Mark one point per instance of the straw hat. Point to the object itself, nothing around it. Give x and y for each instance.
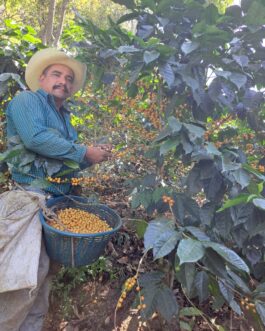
(48, 56)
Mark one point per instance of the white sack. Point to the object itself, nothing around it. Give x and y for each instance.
(20, 239)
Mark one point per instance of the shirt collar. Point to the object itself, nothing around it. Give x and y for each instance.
(50, 99)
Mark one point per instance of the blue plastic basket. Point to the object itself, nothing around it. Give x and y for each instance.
(71, 249)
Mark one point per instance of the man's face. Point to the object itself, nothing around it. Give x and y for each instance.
(57, 80)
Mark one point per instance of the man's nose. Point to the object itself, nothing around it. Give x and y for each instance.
(63, 80)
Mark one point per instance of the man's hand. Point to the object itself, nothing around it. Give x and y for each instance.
(106, 147)
(99, 153)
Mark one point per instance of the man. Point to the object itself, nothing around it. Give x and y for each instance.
(38, 124)
(38, 121)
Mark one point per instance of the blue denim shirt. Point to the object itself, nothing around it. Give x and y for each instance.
(46, 134)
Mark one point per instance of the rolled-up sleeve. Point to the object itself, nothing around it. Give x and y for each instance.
(29, 119)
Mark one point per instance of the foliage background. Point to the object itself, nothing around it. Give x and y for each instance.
(183, 90)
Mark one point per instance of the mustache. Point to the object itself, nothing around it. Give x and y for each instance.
(60, 86)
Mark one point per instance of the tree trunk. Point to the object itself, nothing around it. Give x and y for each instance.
(41, 18)
(48, 35)
(61, 21)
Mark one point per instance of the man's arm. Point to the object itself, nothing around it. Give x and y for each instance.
(28, 116)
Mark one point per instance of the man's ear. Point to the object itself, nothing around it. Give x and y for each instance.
(41, 78)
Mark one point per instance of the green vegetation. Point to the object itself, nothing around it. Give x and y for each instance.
(184, 93)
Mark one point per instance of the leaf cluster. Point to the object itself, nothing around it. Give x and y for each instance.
(214, 63)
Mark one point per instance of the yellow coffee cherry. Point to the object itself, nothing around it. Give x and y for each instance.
(79, 221)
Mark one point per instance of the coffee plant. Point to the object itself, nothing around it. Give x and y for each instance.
(196, 76)
(207, 69)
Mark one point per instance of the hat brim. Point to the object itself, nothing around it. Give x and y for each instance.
(48, 56)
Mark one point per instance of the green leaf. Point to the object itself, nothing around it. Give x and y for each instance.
(31, 39)
(242, 198)
(211, 149)
(185, 326)
(254, 188)
(169, 144)
(141, 227)
(166, 302)
(10, 154)
(127, 17)
(201, 283)
(71, 164)
(235, 306)
(174, 124)
(40, 183)
(190, 250)
(210, 34)
(166, 132)
(219, 327)
(189, 46)
(186, 275)
(239, 282)
(190, 311)
(226, 291)
(136, 200)
(223, 73)
(146, 198)
(165, 243)
(192, 83)
(153, 278)
(127, 49)
(183, 206)
(256, 14)
(238, 79)
(142, 198)
(150, 180)
(157, 296)
(167, 74)
(26, 157)
(259, 202)
(211, 14)
(150, 56)
(155, 229)
(186, 144)
(228, 164)
(53, 166)
(260, 307)
(164, 50)
(197, 233)
(127, 3)
(251, 197)
(229, 255)
(241, 177)
(149, 4)
(260, 187)
(132, 90)
(253, 171)
(194, 131)
(16, 77)
(158, 193)
(134, 74)
(64, 172)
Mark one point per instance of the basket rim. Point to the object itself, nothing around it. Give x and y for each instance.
(83, 235)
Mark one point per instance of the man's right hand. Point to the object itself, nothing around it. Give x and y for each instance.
(97, 154)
